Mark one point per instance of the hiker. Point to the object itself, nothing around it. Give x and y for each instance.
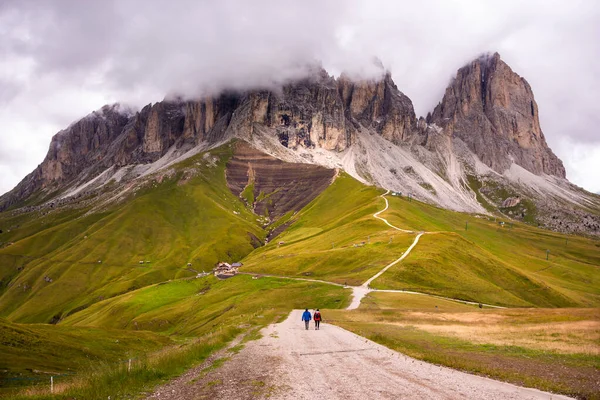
(306, 318)
(317, 318)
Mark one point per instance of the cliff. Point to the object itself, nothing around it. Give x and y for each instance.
(492, 109)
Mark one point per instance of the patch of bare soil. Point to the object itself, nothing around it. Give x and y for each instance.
(278, 186)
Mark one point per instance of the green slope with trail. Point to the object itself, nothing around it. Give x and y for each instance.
(461, 256)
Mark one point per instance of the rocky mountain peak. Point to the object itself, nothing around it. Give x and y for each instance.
(366, 126)
(493, 110)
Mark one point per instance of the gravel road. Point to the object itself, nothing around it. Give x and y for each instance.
(289, 362)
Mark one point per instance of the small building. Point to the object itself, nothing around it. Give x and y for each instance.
(225, 270)
(237, 264)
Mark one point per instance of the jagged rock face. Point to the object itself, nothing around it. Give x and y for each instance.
(492, 109)
(488, 113)
(310, 114)
(327, 113)
(82, 142)
(318, 111)
(380, 105)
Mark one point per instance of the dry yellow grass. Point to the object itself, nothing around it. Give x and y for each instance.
(564, 337)
(555, 349)
(562, 330)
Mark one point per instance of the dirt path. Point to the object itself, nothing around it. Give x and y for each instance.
(387, 204)
(332, 363)
(406, 253)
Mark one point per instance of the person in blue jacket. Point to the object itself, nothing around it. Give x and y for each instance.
(306, 317)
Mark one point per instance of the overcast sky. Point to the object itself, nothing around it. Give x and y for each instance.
(62, 59)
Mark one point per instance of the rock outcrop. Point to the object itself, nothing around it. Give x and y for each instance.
(492, 109)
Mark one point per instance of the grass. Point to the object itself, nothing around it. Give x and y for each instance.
(188, 215)
(523, 346)
(248, 194)
(198, 306)
(118, 382)
(495, 263)
(487, 262)
(447, 264)
(201, 315)
(33, 352)
(393, 301)
(165, 222)
(334, 238)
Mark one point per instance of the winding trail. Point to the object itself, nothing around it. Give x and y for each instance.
(406, 253)
(359, 292)
(387, 205)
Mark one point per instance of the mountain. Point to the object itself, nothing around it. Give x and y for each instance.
(481, 150)
(492, 110)
(106, 248)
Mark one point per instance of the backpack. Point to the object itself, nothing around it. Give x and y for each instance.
(317, 316)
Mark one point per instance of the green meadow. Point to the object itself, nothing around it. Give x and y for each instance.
(476, 258)
(96, 256)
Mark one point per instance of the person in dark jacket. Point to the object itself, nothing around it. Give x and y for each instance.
(306, 317)
(317, 318)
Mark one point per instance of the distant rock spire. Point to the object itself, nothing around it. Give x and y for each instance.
(493, 110)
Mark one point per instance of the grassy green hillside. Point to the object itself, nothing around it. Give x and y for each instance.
(33, 352)
(78, 266)
(198, 306)
(449, 265)
(189, 319)
(321, 241)
(464, 256)
(514, 253)
(182, 216)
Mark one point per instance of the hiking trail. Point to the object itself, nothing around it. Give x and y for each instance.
(359, 292)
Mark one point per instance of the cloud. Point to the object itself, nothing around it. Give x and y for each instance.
(60, 60)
